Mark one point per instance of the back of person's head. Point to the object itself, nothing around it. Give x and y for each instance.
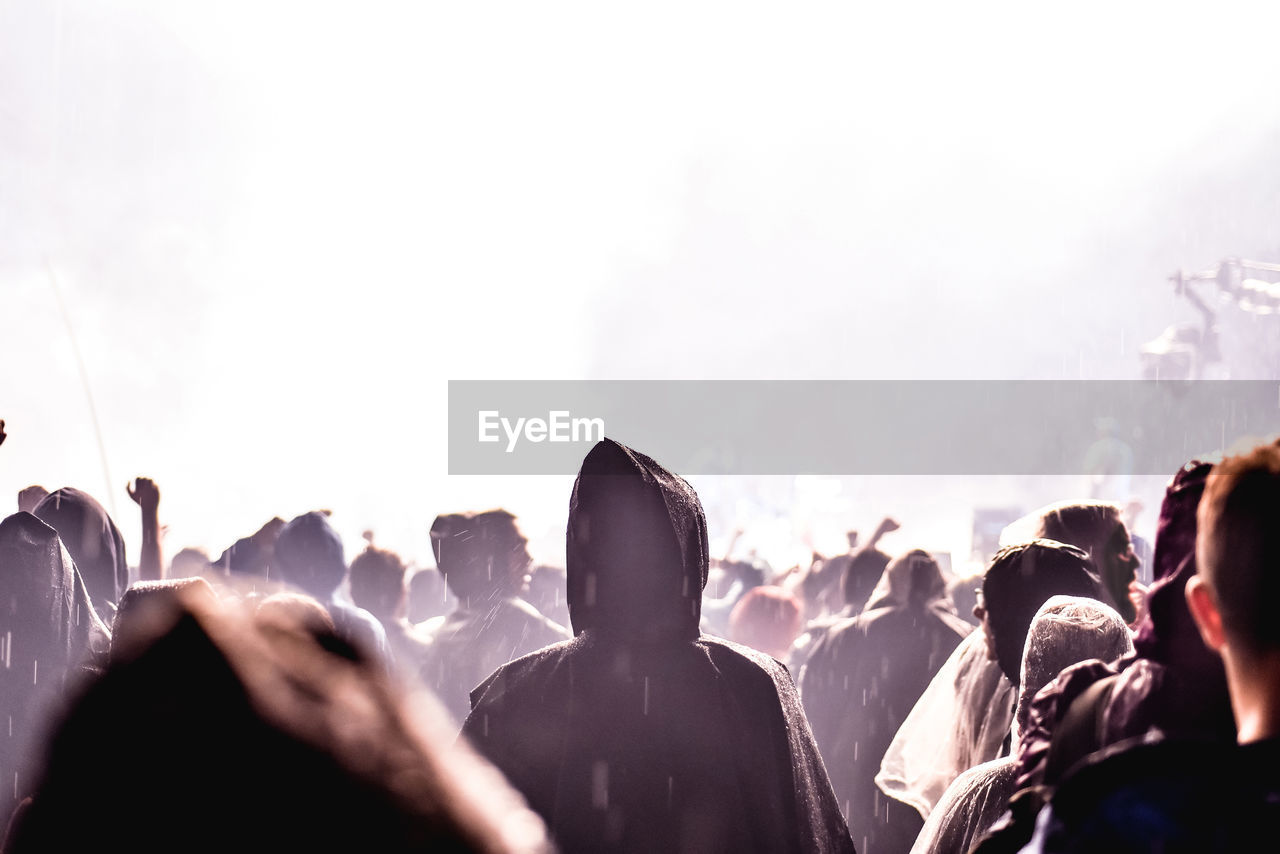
(636, 551)
(1020, 579)
(188, 563)
(767, 618)
(145, 602)
(378, 582)
(1238, 547)
(1065, 631)
(253, 555)
(93, 540)
(1098, 528)
(244, 736)
(911, 580)
(481, 555)
(289, 610)
(1168, 634)
(309, 554)
(861, 576)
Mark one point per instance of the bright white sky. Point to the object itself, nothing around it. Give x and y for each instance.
(281, 228)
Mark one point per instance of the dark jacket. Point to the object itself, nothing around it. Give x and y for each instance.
(1173, 684)
(94, 542)
(862, 680)
(640, 734)
(49, 633)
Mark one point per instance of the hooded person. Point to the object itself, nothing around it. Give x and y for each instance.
(641, 733)
(963, 718)
(1173, 684)
(861, 681)
(1019, 581)
(1065, 630)
(220, 729)
(862, 573)
(49, 634)
(309, 555)
(1193, 792)
(484, 560)
(94, 542)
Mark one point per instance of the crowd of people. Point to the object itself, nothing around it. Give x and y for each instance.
(282, 697)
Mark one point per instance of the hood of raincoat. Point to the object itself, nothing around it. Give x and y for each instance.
(310, 556)
(92, 539)
(1020, 579)
(47, 616)
(912, 580)
(1169, 634)
(48, 632)
(1065, 631)
(636, 551)
(862, 575)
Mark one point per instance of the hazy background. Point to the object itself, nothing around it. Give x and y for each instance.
(278, 229)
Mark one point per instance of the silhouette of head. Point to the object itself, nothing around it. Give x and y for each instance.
(378, 583)
(481, 555)
(309, 554)
(1098, 528)
(92, 539)
(637, 548)
(1020, 579)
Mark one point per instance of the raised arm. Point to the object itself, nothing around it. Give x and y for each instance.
(146, 495)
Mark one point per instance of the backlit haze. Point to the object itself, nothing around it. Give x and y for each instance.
(279, 229)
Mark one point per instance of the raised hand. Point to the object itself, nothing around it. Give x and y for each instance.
(144, 493)
(887, 525)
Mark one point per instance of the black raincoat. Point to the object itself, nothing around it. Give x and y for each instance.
(94, 542)
(48, 632)
(641, 734)
(862, 680)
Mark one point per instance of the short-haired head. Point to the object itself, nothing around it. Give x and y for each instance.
(378, 582)
(1238, 546)
(480, 555)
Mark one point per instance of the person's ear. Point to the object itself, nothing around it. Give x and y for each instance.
(1205, 612)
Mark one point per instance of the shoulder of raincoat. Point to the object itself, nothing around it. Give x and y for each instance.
(641, 734)
(695, 746)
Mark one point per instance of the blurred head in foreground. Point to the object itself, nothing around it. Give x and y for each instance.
(221, 728)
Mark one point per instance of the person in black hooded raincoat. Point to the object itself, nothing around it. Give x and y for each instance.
(861, 682)
(94, 542)
(641, 734)
(49, 634)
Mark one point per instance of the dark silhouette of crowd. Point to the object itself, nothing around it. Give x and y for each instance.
(648, 696)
